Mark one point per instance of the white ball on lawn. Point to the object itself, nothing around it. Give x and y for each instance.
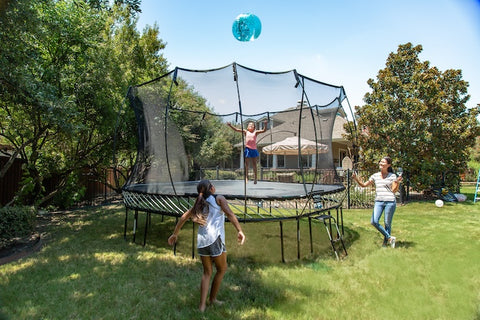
(439, 203)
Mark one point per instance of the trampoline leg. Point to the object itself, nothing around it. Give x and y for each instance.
(125, 228)
(311, 238)
(330, 224)
(281, 241)
(193, 240)
(298, 239)
(135, 219)
(147, 220)
(341, 220)
(175, 244)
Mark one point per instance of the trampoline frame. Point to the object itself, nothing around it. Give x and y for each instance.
(313, 205)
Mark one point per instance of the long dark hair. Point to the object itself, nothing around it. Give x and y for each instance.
(200, 207)
(389, 161)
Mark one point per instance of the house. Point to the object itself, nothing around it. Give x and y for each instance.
(322, 124)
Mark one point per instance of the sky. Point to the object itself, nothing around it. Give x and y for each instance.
(341, 42)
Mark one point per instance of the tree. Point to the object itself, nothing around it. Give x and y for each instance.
(208, 142)
(64, 70)
(417, 115)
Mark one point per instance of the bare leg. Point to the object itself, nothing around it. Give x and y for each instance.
(207, 274)
(221, 266)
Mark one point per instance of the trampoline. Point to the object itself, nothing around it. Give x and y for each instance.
(234, 189)
(262, 201)
(183, 137)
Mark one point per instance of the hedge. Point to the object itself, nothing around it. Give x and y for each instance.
(16, 222)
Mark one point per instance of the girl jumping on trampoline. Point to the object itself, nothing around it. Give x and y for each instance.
(209, 212)
(251, 152)
(386, 184)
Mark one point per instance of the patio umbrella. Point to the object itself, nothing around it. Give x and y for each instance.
(289, 146)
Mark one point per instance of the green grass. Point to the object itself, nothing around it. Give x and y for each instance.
(86, 270)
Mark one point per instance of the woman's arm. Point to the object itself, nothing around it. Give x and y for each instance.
(222, 202)
(173, 238)
(361, 183)
(396, 184)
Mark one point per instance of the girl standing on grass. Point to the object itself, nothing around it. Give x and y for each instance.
(251, 152)
(209, 212)
(386, 184)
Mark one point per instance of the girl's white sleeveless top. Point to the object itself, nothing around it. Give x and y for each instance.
(215, 226)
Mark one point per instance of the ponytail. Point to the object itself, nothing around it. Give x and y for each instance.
(200, 207)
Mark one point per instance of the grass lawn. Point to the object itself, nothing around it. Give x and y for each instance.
(86, 270)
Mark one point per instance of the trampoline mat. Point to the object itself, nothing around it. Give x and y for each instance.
(235, 189)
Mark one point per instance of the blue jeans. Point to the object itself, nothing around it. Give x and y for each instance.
(389, 208)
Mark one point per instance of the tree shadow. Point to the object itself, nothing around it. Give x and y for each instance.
(92, 267)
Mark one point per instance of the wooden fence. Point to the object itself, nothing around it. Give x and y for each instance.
(95, 187)
(10, 183)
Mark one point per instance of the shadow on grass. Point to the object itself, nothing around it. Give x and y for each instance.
(87, 268)
(405, 244)
(263, 244)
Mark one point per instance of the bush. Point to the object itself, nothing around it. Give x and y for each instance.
(220, 175)
(16, 222)
(70, 194)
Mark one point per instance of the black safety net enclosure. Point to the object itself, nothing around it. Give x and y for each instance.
(193, 125)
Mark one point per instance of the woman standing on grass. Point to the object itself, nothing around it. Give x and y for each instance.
(209, 212)
(386, 184)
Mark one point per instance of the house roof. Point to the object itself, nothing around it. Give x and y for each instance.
(326, 123)
(290, 146)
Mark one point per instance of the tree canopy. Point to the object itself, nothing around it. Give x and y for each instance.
(65, 67)
(417, 115)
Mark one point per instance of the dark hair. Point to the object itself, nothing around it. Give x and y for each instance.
(389, 161)
(200, 207)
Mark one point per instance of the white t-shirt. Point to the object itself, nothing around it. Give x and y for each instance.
(214, 227)
(383, 187)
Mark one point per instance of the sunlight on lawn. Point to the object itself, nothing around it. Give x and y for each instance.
(111, 257)
(94, 273)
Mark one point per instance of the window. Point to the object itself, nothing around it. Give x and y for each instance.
(280, 161)
(306, 161)
(265, 160)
